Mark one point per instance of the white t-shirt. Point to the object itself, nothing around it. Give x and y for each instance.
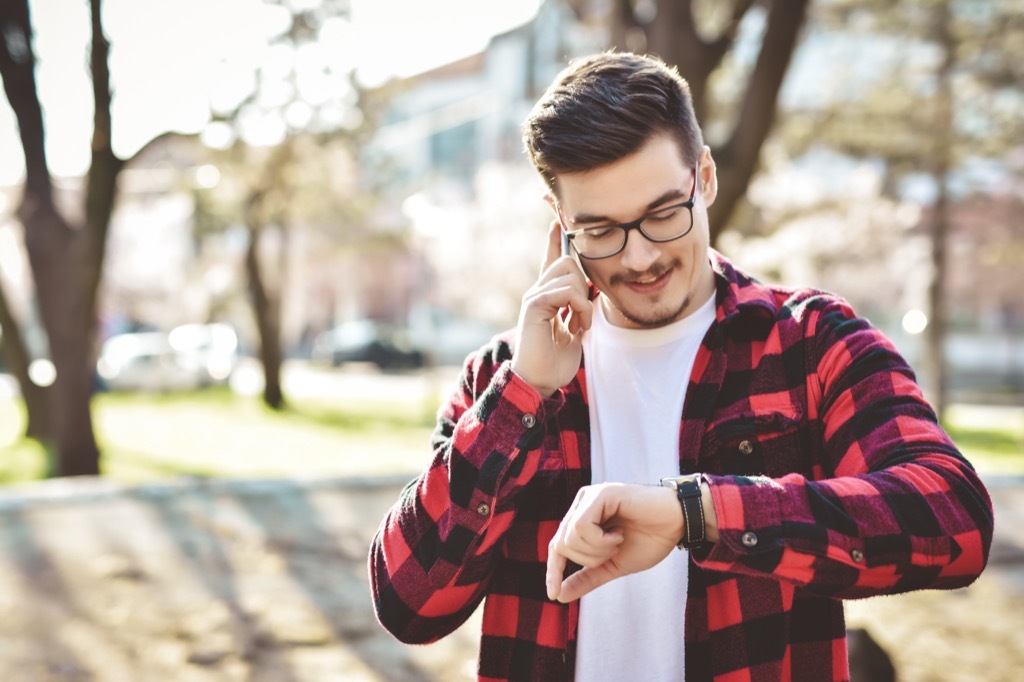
(632, 627)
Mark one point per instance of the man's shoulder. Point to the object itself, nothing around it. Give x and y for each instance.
(488, 357)
(742, 295)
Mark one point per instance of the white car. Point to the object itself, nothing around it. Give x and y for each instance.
(190, 356)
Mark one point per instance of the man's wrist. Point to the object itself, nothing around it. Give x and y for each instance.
(544, 391)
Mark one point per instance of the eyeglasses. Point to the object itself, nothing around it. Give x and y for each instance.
(665, 224)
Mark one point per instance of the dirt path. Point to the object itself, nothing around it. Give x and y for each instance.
(266, 581)
(198, 581)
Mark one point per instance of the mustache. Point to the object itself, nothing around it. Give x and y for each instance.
(653, 272)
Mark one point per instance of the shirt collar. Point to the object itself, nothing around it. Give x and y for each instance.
(739, 296)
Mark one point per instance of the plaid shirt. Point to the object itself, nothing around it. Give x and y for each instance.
(830, 476)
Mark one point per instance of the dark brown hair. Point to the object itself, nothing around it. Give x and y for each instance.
(605, 107)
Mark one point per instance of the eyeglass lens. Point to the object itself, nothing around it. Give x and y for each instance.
(665, 225)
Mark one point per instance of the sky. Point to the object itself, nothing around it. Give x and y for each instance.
(170, 60)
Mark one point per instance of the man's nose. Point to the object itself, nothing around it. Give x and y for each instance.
(639, 253)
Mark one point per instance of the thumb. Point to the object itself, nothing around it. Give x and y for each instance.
(586, 580)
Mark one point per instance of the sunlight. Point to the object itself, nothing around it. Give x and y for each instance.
(171, 62)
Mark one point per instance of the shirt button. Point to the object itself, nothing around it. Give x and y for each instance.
(483, 509)
(746, 447)
(857, 556)
(749, 539)
(529, 420)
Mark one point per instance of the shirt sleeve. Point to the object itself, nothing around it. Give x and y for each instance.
(433, 554)
(899, 507)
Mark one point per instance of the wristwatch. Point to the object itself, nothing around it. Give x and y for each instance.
(688, 490)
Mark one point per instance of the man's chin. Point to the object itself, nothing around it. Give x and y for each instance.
(655, 316)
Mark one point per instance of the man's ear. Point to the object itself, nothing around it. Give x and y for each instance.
(550, 200)
(708, 177)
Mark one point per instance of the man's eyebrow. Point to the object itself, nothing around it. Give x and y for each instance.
(590, 219)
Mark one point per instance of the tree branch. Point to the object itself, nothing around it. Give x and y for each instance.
(737, 159)
(720, 46)
(104, 168)
(17, 67)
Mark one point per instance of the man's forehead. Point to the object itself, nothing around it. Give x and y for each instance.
(582, 204)
(632, 183)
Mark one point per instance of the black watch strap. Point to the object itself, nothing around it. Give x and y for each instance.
(688, 491)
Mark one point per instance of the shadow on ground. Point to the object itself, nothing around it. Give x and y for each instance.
(200, 580)
(204, 580)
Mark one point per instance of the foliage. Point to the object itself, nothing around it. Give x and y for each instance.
(884, 96)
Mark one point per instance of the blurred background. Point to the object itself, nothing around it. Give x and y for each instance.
(256, 238)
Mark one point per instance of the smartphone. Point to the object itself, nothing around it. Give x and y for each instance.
(567, 251)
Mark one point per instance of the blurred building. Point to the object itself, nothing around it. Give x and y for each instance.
(452, 143)
(447, 123)
(457, 186)
(457, 227)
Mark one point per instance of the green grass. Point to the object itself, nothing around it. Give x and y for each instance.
(215, 433)
(991, 437)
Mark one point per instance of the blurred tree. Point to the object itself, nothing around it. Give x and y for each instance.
(18, 359)
(697, 36)
(940, 159)
(944, 93)
(66, 255)
(303, 174)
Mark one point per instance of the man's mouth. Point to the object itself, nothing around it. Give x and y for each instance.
(648, 282)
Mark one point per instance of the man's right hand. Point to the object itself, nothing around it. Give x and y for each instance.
(549, 348)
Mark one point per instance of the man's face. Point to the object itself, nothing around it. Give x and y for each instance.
(647, 284)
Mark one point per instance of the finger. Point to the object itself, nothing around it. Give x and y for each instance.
(590, 556)
(593, 553)
(584, 581)
(581, 316)
(554, 250)
(542, 305)
(555, 573)
(557, 559)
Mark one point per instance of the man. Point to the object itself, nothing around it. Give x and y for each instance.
(812, 468)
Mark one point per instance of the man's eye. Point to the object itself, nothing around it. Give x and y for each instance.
(597, 233)
(662, 216)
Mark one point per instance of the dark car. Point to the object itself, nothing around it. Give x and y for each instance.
(386, 346)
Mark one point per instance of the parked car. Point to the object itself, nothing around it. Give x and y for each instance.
(446, 339)
(190, 356)
(386, 346)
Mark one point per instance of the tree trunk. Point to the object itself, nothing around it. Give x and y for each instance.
(676, 38)
(266, 308)
(18, 359)
(66, 263)
(54, 253)
(935, 360)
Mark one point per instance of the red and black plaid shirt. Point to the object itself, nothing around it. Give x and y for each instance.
(830, 475)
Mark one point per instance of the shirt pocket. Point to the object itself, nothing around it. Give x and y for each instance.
(767, 443)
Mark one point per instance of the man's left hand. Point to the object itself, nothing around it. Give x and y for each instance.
(612, 530)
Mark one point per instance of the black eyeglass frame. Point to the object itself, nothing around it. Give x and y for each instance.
(636, 224)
